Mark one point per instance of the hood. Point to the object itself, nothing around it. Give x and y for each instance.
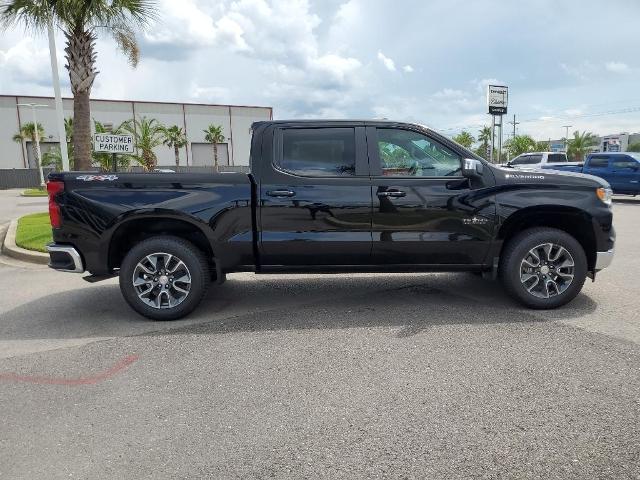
(506, 175)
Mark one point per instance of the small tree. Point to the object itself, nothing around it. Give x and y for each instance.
(214, 135)
(634, 147)
(465, 139)
(147, 134)
(28, 132)
(520, 144)
(542, 146)
(175, 137)
(580, 144)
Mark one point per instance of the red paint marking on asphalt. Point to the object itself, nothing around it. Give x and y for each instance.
(91, 380)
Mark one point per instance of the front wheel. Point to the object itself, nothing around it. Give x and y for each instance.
(543, 268)
(164, 278)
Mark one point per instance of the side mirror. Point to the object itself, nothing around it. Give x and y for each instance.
(472, 167)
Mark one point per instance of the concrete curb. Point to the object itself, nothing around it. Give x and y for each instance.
(10, 249)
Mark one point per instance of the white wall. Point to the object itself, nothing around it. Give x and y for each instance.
(194, 118)
(241, 120)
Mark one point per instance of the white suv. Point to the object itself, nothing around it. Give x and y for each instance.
(534, 160)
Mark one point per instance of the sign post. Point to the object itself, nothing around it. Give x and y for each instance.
(113, 144)
(497, 100)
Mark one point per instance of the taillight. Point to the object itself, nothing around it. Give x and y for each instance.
(53, 188)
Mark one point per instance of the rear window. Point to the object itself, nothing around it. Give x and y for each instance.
(599, 162)
(528, 159)
(319, 152)
(557, 158)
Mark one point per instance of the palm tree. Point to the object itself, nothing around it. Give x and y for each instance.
(80, 21)
(580, 144)
(147, 133)
(465, 139)
(213, 135)
(175, 137)
(28, 132)
(484, 137)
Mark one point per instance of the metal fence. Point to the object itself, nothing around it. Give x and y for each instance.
(30, 178)
(21, 177)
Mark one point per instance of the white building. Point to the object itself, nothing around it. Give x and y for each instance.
(235, 120)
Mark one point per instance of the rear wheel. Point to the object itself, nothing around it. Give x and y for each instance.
(164, 278)
(543, 268)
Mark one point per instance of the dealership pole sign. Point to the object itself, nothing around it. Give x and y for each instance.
(497, 99)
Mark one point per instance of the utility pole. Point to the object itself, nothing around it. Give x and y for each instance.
(62, 134)
(566, 137)
(33, 107)
(514, 123)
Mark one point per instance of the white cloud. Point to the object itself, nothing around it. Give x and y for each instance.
(388, 63)
(408, 68)
(28, 60)
(617, 67)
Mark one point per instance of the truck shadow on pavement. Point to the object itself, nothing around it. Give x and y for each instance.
(407, 303)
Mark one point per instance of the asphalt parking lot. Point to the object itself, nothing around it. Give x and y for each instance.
(336, 376)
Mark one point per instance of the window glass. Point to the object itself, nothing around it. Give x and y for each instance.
(620, 163)
(527, 159)
(404, 153)
(557, 158)
(599, 162)
(319, 152)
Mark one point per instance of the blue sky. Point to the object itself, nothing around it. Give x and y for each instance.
(566, 62)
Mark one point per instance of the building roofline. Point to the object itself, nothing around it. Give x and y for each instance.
(154, 102)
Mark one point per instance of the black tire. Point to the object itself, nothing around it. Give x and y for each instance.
(197, 270)
(517, 250)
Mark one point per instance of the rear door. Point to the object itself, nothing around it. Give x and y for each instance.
(598, 165)
(315, 197)
(625, 174)
(424, 211)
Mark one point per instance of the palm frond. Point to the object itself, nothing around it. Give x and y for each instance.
(33, 15)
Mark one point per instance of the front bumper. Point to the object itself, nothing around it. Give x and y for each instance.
(604, 259)
(65, 258)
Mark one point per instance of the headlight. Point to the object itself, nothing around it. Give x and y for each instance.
(605, 194)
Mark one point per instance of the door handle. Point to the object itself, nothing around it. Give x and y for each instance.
(281, 193)
(393, 193)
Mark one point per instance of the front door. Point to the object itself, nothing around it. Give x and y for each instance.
(424, 211)
(315, 198)
(625, 174)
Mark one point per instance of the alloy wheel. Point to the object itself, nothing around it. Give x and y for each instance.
(547, 270)
(161, 280)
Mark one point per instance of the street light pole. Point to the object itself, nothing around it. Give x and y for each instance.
(62, 134)
(566, 137)
(37, 136)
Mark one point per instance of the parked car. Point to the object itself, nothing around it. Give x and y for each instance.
(534, 160)
(620, 169)
(333, 196)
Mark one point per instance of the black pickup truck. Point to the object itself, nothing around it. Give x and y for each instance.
(333, 196)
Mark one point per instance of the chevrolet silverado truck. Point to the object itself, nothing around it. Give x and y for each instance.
(328, 197)
(620, 169)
